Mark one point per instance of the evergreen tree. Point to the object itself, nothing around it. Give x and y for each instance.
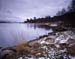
(71, 7)
(63, 11)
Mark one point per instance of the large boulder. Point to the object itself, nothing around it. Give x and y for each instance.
(8, 53)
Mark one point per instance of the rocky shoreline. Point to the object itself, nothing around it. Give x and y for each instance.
(55, 45)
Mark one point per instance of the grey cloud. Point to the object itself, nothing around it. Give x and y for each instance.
(30, 8)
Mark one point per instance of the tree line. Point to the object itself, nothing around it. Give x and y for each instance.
(67, 16)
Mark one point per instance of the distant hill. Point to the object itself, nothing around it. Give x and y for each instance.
(5, 22)
(9, 21)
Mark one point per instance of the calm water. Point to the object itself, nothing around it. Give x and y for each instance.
(15, 33)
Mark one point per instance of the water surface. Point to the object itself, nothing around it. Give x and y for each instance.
(15, 33)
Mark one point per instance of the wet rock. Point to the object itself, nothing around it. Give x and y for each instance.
(70, 41)
(71, 49)
(8, 53)
(64, 37)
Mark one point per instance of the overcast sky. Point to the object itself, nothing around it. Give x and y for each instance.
(18, 10)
